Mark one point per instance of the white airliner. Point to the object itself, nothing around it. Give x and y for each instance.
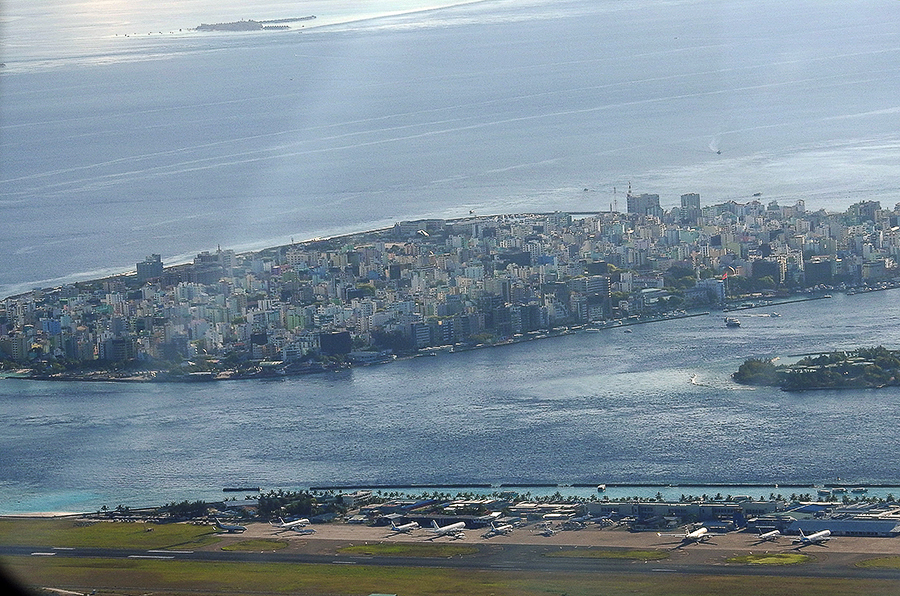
(291, 525)
(816, 538)
(701, 534)
(454, 530)
(499, 530)
(773, 535)
(404, 528)
(230, 528)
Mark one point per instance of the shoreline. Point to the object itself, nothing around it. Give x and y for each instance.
(615, 492)
(159, 376)
(154, 376)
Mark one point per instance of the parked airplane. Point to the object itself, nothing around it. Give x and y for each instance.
(498, 530)
(816, 538)
(773, 535)
(405, 528)
(699, 535)
(230, 528)
(454, 530)
(291, 525)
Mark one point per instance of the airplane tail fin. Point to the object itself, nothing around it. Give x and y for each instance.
(435, 524)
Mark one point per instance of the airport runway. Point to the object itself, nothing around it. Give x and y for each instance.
(526, 551)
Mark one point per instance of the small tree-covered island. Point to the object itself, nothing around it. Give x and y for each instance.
(861, 368)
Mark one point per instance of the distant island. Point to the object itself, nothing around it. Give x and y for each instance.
(858, 369)
(251, 25)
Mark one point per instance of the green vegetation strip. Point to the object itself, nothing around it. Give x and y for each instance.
(410, 550)
(257, 544)
(593, 553)
(881, 563)
(771, 559)
(139, 576)
(76, 532)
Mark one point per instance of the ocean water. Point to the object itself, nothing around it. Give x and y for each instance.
(168, 141)
(653, 406)
(172, 142)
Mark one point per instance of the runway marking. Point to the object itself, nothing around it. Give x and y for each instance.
(148, 557)
(509, 566)
(173, 552)
(42, 554)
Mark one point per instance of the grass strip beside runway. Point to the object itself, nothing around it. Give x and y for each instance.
(409, 550)
(881, 563)
(76, 532)
(257, 544)
(191, 578)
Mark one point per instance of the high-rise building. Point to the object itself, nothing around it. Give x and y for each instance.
(149, 268)
(690, 208)
(644, 204)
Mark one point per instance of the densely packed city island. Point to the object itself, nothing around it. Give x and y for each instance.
(429, 285)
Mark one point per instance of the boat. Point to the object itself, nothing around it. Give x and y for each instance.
(824, 492)
(839, 490)
(601, 488)
(859, 490)
(241, 489)
(732, 322)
